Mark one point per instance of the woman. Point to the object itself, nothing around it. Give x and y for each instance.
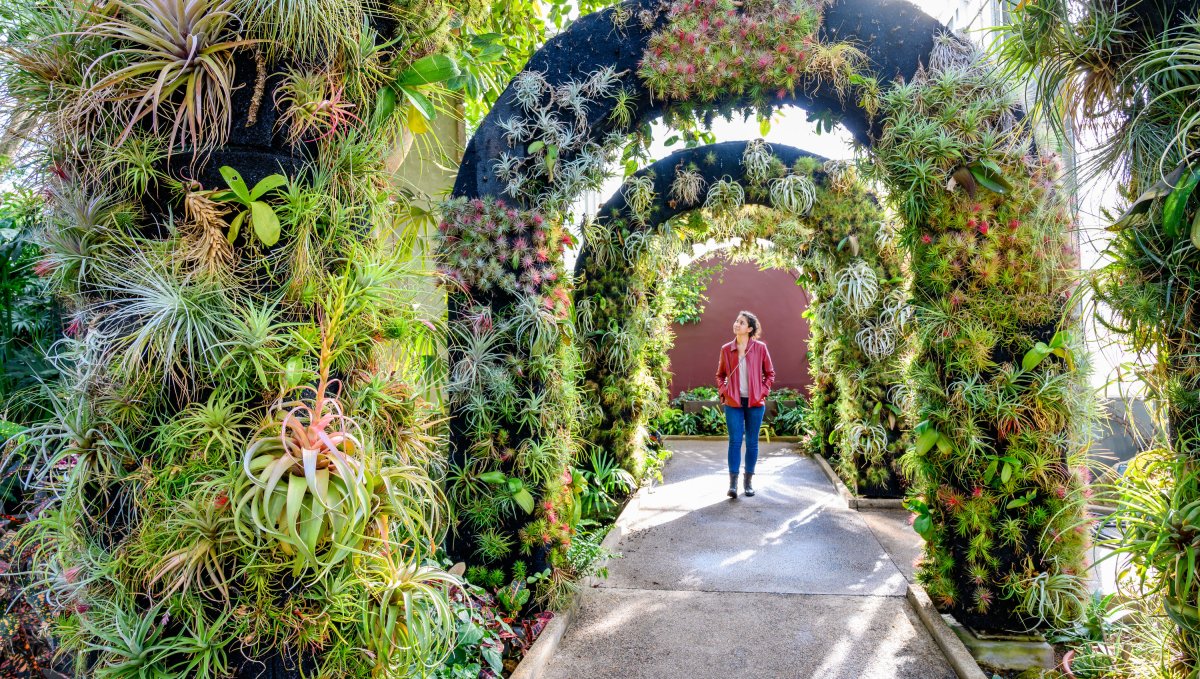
(744, 378)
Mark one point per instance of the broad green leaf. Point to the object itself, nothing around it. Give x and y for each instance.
(265, 223)
(923, 524)
(990, 472)
(1035, 356)
(990, 180)
(434, 68)
(1196, 230)
(268, 183)
(927, 440)
(492, 477)
(1006, 473)
(236, 184)
(236, 226)
(385, 105)
(1173, 206)
(764, 126)
(417, 123)
(536, 146)
(420, 102)
(945, 445)
(1161, 189)
(524, 499)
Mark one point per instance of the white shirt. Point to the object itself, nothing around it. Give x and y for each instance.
(743, 375)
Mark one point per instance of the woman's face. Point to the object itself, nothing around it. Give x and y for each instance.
(740, 326)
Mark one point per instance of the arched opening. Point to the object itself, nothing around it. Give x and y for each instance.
(994, 394)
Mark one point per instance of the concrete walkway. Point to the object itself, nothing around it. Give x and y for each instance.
(789, 583)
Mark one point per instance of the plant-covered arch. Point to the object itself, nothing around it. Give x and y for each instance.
(823, 222)
(997, 398)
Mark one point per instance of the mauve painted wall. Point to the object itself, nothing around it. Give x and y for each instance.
(774, 297)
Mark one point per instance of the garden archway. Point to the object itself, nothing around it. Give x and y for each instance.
(823, 222)
(994, 393)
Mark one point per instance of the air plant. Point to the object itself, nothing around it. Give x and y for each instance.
(311, 29)
(687, 186)
(725, 196)
(175, 59)
(572, 96)
(857, 286)
(639, 196)
(203, 529)
(314, 106)
(877, 339)
(794, 194)
(757, 160)
(602, 82)
(516, 129)
(528, 88)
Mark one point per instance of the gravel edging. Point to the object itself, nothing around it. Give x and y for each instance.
(533, 665)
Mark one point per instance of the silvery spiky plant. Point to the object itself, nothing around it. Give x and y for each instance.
(507, 166)
(639, 196)
(756, 160)
(857, 286)
(602, 82)
(793, 194)
(687, 186)
(725, 196)
(896, 309)
(528, 88)
(572, 96)
(516, 130)
(877, 339)
(869, 439)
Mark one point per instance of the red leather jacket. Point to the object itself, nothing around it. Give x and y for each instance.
(758, 364)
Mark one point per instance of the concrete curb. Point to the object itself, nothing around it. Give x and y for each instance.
(533, 665)
(852, 501)
(773, 439)
(952, 647)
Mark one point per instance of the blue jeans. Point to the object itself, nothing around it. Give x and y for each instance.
(743, 423)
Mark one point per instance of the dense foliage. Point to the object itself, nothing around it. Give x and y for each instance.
(997, 389)
(1126, 72)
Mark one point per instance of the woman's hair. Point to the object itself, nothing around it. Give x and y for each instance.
(753, 322)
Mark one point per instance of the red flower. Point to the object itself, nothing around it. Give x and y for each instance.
(221, 501)
(926, 239)
(983, 228)
(977, 492)
(1013, 224)
(764, 61)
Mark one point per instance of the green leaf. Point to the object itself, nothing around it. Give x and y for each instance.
(236, 226)
(385, 105)
(524, 499)
(420, 102)
(1161, 188)
(1175, 203)
(923, 524)
(492, 477)
(990, 473)
(434, 68)
(1196, 230)
(267, 184)
(764, 126)
(927, 440)
(945, 445)
(1006, 473)
(536, 146)
(238, 185)
(1035, 356)
(265, 223)
(988, 175)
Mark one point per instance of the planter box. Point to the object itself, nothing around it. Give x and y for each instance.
(696, 406)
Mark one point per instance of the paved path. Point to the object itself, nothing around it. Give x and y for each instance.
(789, 583)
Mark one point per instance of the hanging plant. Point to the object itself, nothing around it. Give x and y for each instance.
(757, 160)
(639, 195)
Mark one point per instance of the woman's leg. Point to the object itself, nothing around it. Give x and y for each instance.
(735, 422)
(754, 420)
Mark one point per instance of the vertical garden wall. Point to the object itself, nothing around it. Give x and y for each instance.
(997, 389)
(233, 481)
(1135, 90)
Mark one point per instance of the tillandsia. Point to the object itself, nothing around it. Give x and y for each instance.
(639, 196)
(858, 286)
(793, 194)
(757, 161)
(725, 196)
(687, 186)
